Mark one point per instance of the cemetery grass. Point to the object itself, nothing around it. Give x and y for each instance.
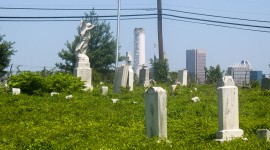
(92, 121)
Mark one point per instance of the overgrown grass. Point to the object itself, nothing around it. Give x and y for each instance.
(92, 121)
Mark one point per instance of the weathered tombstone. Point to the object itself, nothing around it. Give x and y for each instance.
(83, 69)
(173, 87)
(228, 115)
(104, 90)
(182, 77)
(265, 84)
(120, 78)
(144, 76)
(156, 112)
(130, 71)
(16, 91)
(263, 134)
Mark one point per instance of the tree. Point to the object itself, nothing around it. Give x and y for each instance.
(6, 51)
(161, 69)
(213, 74)
(101, 48)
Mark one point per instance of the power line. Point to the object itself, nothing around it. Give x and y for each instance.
(243, 19)
(71, 20)
(231, 11)
(132, 17)
(132, 9)
(216, 25)
(214, 21)
(68, 9)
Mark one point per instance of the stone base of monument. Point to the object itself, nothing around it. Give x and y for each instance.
(227, 135)
(84, 71)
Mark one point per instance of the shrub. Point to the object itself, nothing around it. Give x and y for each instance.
(29, 82)
(62, 82)
(34, 83)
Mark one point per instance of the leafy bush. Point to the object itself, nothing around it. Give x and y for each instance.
(161, 69)
(29, 82)
(34, 83)
(62, 82)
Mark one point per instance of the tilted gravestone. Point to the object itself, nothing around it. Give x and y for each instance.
(124, 76)
(228, 115)
(156, 112)
(144, 76)
(182, 77)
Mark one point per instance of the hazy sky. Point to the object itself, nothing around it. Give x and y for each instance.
(37, 43)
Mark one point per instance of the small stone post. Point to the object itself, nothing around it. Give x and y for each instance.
(263, 134)
(228, 115)
(156, 112)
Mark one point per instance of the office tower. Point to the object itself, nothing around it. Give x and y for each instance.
(240, 72)
(195, 64)
(256, 76)
(139, 50)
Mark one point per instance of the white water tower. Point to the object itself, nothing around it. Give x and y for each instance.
(139, 50)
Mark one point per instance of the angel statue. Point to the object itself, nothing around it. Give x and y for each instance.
(85, 28)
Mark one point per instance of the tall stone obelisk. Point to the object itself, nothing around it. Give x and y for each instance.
(82, 68)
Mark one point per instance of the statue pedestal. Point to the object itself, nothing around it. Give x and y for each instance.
(84, 71)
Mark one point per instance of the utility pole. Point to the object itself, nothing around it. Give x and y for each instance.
(117, 34)
(160, 37)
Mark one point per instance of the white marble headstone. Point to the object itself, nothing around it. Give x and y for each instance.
(16, 91)
(104, 90)
(156, 112)
(228, 113)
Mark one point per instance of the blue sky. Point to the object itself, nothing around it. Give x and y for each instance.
(37, 43)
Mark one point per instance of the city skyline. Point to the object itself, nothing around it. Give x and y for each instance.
(42, 40)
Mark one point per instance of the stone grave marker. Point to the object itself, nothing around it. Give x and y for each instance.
(104, 90)
(182, 77)
(16, 91)
(144, 76)
(228, 114)
(156, 112)
(130, 71)
(120, 78)
(263, 134)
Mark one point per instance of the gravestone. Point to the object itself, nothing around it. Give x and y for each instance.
(104, 90)
(130, 71)
(144, 76)
(263, 134)
(228, 115)
(16, 91)
(182, 77)
(83, 69)
(265, 84)
(156, 112)
(120, 78)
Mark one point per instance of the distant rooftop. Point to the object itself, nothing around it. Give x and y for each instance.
(243, 65)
